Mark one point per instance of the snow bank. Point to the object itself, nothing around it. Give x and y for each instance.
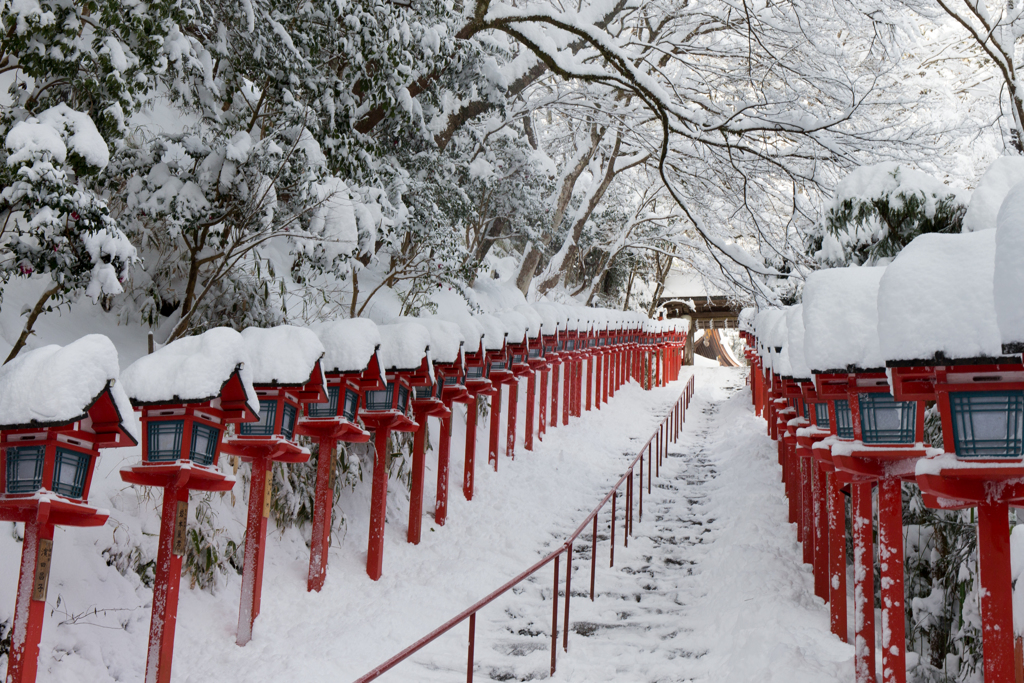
(349, 344)
(403, 346)
(1003, 174)
(282, 355)
(841, 319)
(55, 385)
(936, 296)
(191, 369)
(1008, 271)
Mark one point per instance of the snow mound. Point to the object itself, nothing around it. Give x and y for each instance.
(282, 355)
(1003, 174)
(841, 319)
(534, 321)
(349, 344)
(1008, 271)
(54, 385)
(515, 324)
(403, 346)
(550, 317)
(191, 369)
(494, 332)
(936, 297)
(446, 338)
(795, 342)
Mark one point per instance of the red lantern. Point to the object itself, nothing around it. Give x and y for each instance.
(59, 407)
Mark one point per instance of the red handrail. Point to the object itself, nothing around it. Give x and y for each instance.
(656, 447)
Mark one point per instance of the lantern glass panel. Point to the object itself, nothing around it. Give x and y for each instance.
(380, 399)
(844, 419)
(807, 411)
(403, 398)
(821, 415)
(165, 440)
(571, 344)
(288, 421)
(204, 444)
(534, 353)
(593, 342)
(422, 393)
(265, 427)
(497, 365)
(517, 358)
(25, 468)
(329, 409)
(452, 380)
(561, 345)
(69, 472)
(475, 372)
(351, 403)
(987, 424)
(883, 419)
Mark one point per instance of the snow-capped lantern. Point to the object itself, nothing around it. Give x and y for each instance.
(949, 332)
(435, 400)
(548, 341)
(517, 341)
(499, 372)
(189, 392)
(287, 376)
(351, 366)
(58, 406)
(535, 362)
(404, 356)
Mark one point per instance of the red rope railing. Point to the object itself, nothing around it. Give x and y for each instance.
(655, 449)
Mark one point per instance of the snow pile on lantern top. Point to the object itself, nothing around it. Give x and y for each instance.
(777, 338)
(1003, 174)
(349, 344)
(1008, 271)
(766, 335)
(494, 332)
(795, 342)
(445, 338)
(936, 297)
(549, 315)
(515, 325)
(282, 355)
(534, 321)
(55, 385)
(403, 345)
(841, 319)
(191, 369)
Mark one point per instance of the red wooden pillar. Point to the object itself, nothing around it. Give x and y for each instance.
(890, 560)
(864, 585)
(590, 379)
(513, 408)
(996, 596)
(597, 380)
(165, 587)
(577, 387)
(819, 495)
(419, 465)
(378, 504)
(444, 449)
(492, 449)
(836, 556)
(30, 607)
(807, 508)
(323, 504)
(531, 396)
(554, 393)
(613, 360)
(542, 407)
(567, 382)
(657, 368)
(470, 466)
(255, 542)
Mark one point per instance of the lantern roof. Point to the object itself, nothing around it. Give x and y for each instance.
(194, 369)
(56, 385)
(841, 319)
(534, 320)
(1008, 271)
(794, 347)
(283, 355)
(516, 326)
(403, 345)
(446, 338)
(349, 344)
(936, 301)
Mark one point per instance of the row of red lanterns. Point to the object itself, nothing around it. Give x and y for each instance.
(852, 419)
(251, 396)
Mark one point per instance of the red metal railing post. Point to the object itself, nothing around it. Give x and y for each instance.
(554, 620)
(626, 513)
(472, 646)
(641, 506)
(568, 594)
(593, 558)
(649, 467)
(611, 562)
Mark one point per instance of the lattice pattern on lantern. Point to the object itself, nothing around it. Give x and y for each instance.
(165, 440)
(25, 468)
(807, 411)
(204, 444)
(348, 411)
(987, 424)
(329, 409)
(821, 415)
(69, 472)
(844, 420)
(885, 420)
(288, 421)
(382, 399)
(265, 427)
(475, 372)
(497, 365)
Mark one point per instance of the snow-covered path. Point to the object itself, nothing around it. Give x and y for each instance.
(711, 588)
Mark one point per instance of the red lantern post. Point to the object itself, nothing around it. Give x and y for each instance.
(189, 392)
(48, 459)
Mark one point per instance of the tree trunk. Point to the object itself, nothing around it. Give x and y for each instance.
(33, 315)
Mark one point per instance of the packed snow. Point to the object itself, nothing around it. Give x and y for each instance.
(1008, 272)
(403, 346)
(282, 355)
(841, 319)
(348, 344)
(1003, 174)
